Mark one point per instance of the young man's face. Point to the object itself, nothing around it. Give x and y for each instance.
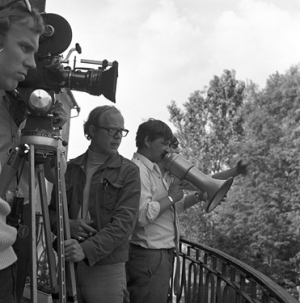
(102, 142)
(158, 149)
(17, 56)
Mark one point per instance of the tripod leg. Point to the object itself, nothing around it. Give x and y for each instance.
(70, 271)
(60, 239)
(32, 199)
(47, 232)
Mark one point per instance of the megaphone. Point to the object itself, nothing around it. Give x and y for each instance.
(183, 169)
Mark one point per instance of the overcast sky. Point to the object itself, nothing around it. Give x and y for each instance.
(167, 49)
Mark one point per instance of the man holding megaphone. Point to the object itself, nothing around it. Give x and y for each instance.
(153, 240)
(156, 233)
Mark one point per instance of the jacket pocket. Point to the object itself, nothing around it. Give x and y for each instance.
(109, 193)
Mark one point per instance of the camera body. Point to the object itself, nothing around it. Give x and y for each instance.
(49, 75)
(52, 75)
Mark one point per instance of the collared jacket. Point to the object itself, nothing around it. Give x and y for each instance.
(113, 206)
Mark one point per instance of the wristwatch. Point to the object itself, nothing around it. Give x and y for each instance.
(171, 199)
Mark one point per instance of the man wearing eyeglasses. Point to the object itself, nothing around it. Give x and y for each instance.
(103, 192)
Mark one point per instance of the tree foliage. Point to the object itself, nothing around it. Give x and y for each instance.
(211, 117)
(229, 120)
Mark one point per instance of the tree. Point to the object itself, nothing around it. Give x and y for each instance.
(259, 221)
(211, 123)
(271, 145)
(208, 131)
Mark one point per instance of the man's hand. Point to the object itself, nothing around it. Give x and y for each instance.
(188, 186)
(81, 229)
(56, 70)
(202, 196)
(60, 115)
(175, 191)
(73, 251)
(241, 168)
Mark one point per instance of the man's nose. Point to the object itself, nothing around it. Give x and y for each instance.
(30, 61)
(118, 135)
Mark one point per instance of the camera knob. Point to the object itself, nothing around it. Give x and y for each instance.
(40, 102)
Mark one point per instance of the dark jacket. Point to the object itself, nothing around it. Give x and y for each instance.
(113, 206)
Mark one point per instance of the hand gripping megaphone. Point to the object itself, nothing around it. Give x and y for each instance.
(183, 169)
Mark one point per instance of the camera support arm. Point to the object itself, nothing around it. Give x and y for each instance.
(77, 49)
(104, 63)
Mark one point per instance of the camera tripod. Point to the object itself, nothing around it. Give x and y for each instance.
(36, 150)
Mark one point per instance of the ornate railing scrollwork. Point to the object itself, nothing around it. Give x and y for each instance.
(211, 276)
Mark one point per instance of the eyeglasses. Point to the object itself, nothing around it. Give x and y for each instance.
(27, 4)
(114, 131)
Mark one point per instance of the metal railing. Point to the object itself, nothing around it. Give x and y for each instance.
(208, 275)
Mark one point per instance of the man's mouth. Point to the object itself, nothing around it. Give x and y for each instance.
(163, 155)
(22, 76)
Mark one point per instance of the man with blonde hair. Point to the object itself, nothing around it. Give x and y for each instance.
(103, 192)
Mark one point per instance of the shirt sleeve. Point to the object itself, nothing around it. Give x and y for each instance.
(149, 208)
(180, 205)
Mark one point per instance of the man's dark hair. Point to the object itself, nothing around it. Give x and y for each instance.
(94, 115)
(153, 129)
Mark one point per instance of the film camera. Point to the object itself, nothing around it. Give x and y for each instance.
(54, 41)
(52, 74)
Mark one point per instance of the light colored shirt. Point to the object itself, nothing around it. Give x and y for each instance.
(94, 161)
(153, 231)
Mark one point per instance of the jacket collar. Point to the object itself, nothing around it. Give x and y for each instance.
(113, 161)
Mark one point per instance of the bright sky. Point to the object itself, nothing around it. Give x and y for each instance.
(167, 49)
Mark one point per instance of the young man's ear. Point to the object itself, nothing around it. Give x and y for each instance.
(147, 141)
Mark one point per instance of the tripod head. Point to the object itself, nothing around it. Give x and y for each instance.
(40, 128)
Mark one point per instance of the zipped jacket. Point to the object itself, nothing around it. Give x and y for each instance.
(113, 206)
